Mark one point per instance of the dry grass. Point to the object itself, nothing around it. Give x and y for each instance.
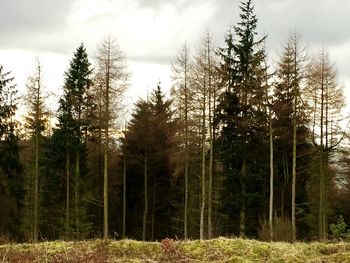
(217, 250)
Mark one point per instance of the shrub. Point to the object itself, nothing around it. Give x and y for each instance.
(339, 229)
(282, 230)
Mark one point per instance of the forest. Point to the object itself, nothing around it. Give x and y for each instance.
(241, 146)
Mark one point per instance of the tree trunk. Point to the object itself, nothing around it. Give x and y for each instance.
(76, 192)
(326, 164)
(153, 207)
(36, 176)
(243, 196)
(105, 173)
(271, 178)
(67, 193)
(294, 165)
(124, 197)
(210, 170)
(201, 230)
(321, 194)
(186, 155)
(36, 188)
(105, 197)
(144, 226)
(106, 147)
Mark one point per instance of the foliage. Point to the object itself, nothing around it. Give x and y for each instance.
(11, 177)
(340, 230)
(150, 135)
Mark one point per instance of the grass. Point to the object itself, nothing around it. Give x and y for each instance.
(216, 250)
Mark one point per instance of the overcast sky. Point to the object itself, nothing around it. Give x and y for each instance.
(150, 32)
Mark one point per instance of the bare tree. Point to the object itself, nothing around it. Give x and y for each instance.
(291, 75)
(36, 121)
(111, 71)
(181, 69)
(328, 101)
(204, 85)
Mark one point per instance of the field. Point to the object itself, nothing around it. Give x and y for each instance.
(216, 250)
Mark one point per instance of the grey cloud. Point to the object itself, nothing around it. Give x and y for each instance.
(162, 60)
(320, 21)
(157, 4)
(24, 19)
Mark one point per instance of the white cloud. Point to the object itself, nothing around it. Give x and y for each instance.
(150, 32)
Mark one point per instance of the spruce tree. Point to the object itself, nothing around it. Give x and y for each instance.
(148, 147)
(75, 122)
(11, 177)
(243, 74)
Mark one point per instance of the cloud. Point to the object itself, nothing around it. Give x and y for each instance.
(152, 31)
(321, 22)
(17, 16)
(23, 22)
(157, 4)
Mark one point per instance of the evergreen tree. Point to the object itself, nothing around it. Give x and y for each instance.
(243, 76)
(11, 177)
(148, 146)
(74, 123)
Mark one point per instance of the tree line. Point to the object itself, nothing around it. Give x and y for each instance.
(241, 147)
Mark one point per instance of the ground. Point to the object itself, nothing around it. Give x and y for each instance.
(216, 250)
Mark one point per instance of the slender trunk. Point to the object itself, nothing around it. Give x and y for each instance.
(268, 109)
(321, 194)
(282, 200)
(320, 209)
(153, 207)
(105, 185)
(36, 188)
(105, 197)
(286, 178)
(36, 176)
(186, 154)
(144, 226)
(294, 165)
(243, 197)
(201, 230)
(271, 178)
(186, 191)
(67, 193)
(100, 161)
(76, 192)
(326, 163)
(124, 197)
(210, 172)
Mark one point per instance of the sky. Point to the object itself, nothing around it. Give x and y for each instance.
(150, 33)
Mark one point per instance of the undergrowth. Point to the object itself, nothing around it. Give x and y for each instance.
(169, 250)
